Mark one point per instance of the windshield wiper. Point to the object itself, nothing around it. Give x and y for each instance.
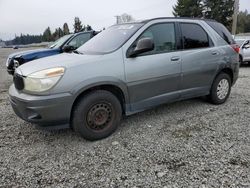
(77, 52)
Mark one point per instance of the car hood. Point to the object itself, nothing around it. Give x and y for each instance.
(66, 60)
(31, 52)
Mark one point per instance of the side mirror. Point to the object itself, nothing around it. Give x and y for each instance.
(246, 46)
(143, 45)
(68, 48)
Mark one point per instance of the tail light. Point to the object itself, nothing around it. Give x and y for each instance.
(236, 48)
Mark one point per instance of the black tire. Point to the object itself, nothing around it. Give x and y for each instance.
(97, 115)
(214, 97)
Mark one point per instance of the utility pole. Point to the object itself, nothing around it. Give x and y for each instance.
(117, 19)
(235, 16)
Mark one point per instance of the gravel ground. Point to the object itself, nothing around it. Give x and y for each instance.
(185, 144)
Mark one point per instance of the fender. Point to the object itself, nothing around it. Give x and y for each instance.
(99, 81)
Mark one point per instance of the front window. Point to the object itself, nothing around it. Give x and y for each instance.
(58, 43)
(79, 40)
(163, 36)
(110, 39)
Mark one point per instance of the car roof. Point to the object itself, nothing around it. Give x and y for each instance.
(177, 18)
(167, 18)
(83, 32)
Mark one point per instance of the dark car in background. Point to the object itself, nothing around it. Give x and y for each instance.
(67, 43)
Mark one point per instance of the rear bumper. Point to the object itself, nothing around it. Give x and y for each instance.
(46, 111)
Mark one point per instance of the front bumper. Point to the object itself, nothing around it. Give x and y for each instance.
(46, 111)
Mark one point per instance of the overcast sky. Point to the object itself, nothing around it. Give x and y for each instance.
(33, 16)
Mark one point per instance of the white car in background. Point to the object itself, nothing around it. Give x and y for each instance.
(244, 50)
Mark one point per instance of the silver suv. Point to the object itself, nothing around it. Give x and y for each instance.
(244, 50)
(126, 69)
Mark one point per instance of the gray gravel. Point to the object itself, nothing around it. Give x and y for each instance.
(184, 144)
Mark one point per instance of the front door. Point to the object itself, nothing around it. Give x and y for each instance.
(154, 77)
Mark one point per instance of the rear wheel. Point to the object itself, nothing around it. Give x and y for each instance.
(221, 89)
(97, 115)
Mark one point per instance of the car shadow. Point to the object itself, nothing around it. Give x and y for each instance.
(127, 122)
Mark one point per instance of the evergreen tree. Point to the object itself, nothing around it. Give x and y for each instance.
(55, 35)
(88, 28)
(243, 24)
(47, 36)
(77, 25)
(65, 29)
(188, 8)
(220, 10)
(60, 32)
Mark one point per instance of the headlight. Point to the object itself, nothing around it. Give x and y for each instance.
(43, 80)
(16, 64)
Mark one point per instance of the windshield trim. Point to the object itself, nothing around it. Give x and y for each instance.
(103, 53)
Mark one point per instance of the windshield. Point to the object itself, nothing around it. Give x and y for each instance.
(110, 39)
(60, 41)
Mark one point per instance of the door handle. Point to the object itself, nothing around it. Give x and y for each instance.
(175, 58)
(215, 53)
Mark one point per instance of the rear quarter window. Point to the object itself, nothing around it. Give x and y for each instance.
(222, 31)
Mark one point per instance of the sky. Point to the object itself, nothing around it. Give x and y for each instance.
(34, 16)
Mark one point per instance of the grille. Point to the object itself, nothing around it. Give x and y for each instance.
(18, 81)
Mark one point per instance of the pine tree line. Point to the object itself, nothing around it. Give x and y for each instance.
(243, 24)
(48, 35)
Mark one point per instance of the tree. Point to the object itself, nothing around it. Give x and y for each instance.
(77, 25)
(243, 24)
(25, 39)
(188, 8)
(47, 36)
(219, 10)
(65, 29)
(124, 18)
(58, 33)
(88, 28)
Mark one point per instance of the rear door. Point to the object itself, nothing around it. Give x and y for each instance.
(154, 77)
(199, 60)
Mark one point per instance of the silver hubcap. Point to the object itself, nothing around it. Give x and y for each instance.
(222, 89)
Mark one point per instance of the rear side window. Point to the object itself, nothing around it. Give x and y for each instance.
(194, 36)
(222, 31)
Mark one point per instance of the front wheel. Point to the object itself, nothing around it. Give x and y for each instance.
(97, 115)
(221, 89)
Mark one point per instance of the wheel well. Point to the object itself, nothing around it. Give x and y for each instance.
(111, 88)
(229, 72)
